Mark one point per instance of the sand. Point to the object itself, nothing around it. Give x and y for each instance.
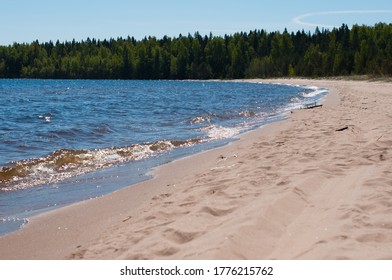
(315, 186)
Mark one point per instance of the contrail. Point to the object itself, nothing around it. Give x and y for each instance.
(300, 19)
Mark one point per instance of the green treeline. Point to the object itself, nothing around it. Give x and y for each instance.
(341, 51)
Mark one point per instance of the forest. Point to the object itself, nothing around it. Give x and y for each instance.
(359, 50)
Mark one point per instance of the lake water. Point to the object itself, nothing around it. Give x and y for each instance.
(63, 141)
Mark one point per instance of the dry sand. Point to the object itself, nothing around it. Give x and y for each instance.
(297, 189)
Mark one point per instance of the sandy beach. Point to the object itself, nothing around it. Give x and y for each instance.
(315, 186)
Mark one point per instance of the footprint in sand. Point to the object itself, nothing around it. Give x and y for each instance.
(372, 237)
(167, 252)
(181, 237)
(216, 212)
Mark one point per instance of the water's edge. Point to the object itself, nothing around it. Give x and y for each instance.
(105, 181)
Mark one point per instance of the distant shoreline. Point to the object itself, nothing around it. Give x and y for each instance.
(327, 53)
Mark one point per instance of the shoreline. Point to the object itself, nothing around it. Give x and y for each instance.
(75, 190)
(201, 206)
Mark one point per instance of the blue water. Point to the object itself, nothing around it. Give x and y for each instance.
(63, 141)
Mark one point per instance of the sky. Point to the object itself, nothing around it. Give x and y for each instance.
(24, 21)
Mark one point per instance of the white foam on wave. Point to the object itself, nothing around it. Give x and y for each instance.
(64, 164)
(13, 219)
(289, 107)
(42, 169)
(298, 103)
(220, 132)
(200, 119)
(315, 91)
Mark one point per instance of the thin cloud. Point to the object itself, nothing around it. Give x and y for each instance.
(300, 19)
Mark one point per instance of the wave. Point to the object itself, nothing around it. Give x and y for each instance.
(200, 119)
(315, 91)
(226, 116)
(66, 163)
(215, 132)
(219, 119)
(247, 113)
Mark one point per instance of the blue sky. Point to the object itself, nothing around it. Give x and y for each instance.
(44, 20)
